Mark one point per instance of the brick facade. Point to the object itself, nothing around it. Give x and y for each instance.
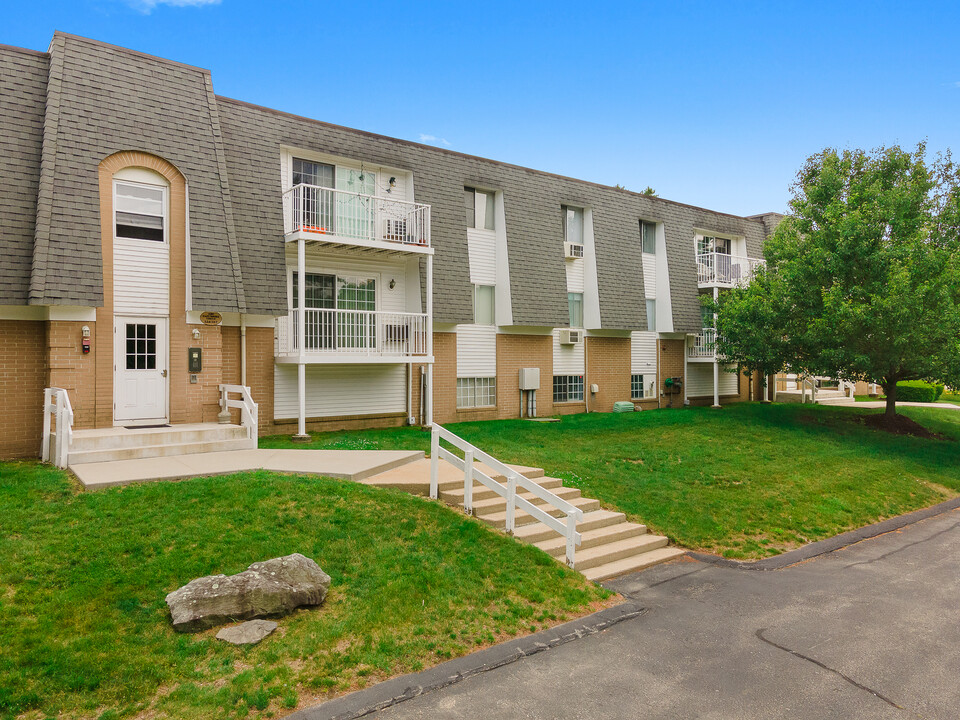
(608, 367)
(23, 376)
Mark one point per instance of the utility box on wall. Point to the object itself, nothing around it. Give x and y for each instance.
(194, 360)
(530, 378)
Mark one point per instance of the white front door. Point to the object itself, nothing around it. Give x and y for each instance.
(140, 370)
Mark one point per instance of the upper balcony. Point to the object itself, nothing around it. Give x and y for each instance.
(335, 217)
(716, 269)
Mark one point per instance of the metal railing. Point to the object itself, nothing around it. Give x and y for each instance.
(715, 268)
(704, 344)
(471, 474)
(57, 408)
(354, 332)
(249, 410)
(350, 215)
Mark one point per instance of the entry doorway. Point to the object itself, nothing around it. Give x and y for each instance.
(140, 394)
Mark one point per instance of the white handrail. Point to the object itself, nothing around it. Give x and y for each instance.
(56, 404)
(471, 473)
(249, 410)
(716, 268)
(355, 332)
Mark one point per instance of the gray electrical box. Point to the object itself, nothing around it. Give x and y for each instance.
(530, 378)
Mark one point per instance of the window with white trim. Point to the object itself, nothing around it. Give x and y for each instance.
(575, 309)
(567, 388)
(139, 211)
(476, 392)
(479, 208)
(484, 305)
(572, 224)
(636, 387)
(648, 233)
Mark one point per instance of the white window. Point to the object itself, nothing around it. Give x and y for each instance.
(652, 315)
(648, 231)
(572, 225)
(575, 308)
(636, 387)
(139, 211)
(567, 388)
(476, 392)
(479, 208)
(484, 309)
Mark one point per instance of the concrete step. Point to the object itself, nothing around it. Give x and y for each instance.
(496, 503)
(538, 532)
(632, 563)
(617, 550)
(839, 400)
(139, 452)
(120, 437)
(499, 519)
(557, 546)
(454, 496)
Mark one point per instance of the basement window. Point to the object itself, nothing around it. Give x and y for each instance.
(567, 388)
(139, 211)
(476, 392)
(636, 387)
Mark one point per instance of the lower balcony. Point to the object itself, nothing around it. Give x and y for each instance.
(702, 346)
(353, 336)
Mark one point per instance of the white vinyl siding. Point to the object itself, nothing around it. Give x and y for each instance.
(141, 277)
(334, 390)
(476, 351)
(650, 276)
(700, 380)
(574, 275)
(482, 253)
(567, 359)
(643, 353)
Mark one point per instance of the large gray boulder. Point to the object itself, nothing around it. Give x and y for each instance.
(272, 587)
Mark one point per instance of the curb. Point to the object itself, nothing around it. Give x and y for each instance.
(406, 687)
(822, 547)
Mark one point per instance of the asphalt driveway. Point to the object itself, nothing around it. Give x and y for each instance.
(869, 631)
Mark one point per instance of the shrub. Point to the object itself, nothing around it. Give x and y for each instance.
(916, 391)
(939, 389)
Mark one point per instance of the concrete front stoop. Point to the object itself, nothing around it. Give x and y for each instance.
(610, 545)
(134, 443)
(824, 397)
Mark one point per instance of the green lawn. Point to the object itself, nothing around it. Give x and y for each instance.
(747, 481)
(85, 632)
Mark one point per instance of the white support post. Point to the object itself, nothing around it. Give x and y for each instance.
(45, 450)
(716, 364)
(511, 503)
(428, 414)
(468, 481)
(686, 354)
(766, 388)
(58, 445)
(571, 540)
(301, 339)
(435, 463)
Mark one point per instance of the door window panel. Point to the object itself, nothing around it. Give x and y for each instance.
(141, 339)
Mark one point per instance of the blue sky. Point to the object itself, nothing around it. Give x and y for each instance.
(713, 104)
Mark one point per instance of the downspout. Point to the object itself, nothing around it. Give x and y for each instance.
(659, 393)
(586, 380)
(243, 350)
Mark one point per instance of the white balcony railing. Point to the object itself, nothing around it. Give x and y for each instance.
(354, 333)
(715, 268)
(353, 216)
(703, 346)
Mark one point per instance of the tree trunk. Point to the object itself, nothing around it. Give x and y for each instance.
(891, 410)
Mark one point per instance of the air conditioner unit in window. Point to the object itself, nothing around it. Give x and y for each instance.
(572, 250)
(571, 337)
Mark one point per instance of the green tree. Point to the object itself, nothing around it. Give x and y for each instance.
(863, 277)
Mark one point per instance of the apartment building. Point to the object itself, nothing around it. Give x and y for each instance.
(161, 242)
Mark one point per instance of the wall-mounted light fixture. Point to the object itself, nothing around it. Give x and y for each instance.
(196, 333)
(393, 283)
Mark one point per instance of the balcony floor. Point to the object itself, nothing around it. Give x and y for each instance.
(335, 358)
(336, 242)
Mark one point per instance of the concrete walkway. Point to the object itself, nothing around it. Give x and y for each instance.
(882, 404)
(867, 632)
(346, 464)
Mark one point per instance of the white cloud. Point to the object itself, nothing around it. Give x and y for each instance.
(434, 140)
(147, 6)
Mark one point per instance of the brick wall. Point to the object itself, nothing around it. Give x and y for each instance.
(520, 351)
(608, 366)
(77, 373)
(23, 376)
(671, 365)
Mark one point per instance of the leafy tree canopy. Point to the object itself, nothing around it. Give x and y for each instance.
(863, 277)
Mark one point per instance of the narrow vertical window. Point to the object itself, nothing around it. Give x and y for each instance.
(484, 308)
(651, 315)
(572, 225)
(575, 308)
(649, 232)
